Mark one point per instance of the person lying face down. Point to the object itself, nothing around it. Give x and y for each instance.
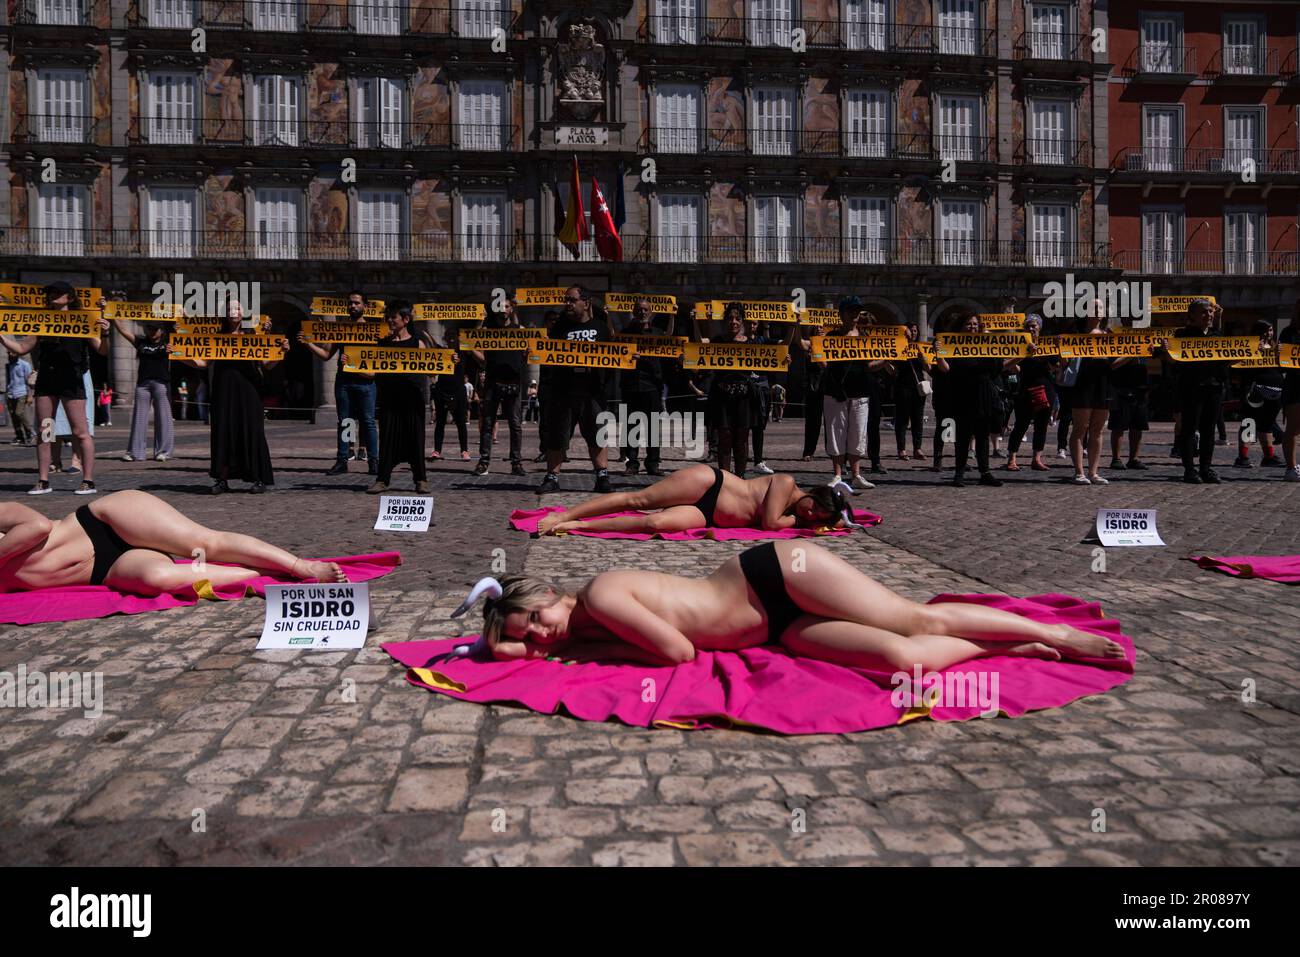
(701, 496)
(798, 594)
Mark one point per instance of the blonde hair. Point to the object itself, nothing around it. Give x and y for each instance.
(518, 593)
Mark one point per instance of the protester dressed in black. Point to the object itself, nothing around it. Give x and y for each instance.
(974, 401)
(403, 400)
(1033, 402)
(1200, 394)
(1261, 401)
(504, 382)
(911, 386)
(450, 400)
(643, 388)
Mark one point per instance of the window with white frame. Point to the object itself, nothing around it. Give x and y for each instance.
(1243, 241)
(481, 108)
(1243, 45)
(1047, 31)
(276, 15)
(171, 14)
(958, 27)
(1162, 43)
(959, 232)
(275, 110)
(675, 21)
(867, 229)
(677, 118)
(1162, 239)
(1049, 131)
(62, 114)
(959, 123)
(772, 120)
(380, 224)
(171, 223)
(677, 227)
(61, 219)
(774, 229)
(1162, 138)
(867, 122)
(63, 13)
(483, 227)
(379, 112)
(771, 22)
(1243, 137)
(171, 107)
(866, 24)
(478, 19)
(378, 17)
(1049, 234)
(276, 218)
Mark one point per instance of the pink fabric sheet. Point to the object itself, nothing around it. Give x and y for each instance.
(527, 519)
(766, 687)
(1277, 568)
(79, 602)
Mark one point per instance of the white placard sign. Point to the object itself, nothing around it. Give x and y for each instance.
(1127, 526)
(404, 513)
(316, 616)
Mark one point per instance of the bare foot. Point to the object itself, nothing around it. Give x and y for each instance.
(1034, 649)
(319, 571)
(548, 523)
(562, 527)
(1073, 643)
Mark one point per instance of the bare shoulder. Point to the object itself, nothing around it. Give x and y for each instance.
(612, 584)
(12, 513)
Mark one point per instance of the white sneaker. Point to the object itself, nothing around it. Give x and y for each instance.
(40, 488)
(161, 457)
(1098, 480)
(1062, 453)
(861, 482)
(762, 469)
(1292, 475)
(839, 480)
(1081, 480)
(128, 457)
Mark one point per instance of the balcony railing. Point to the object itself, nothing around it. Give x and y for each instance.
(1054, 46)
(1210, 262)
(365, 17)
(866, 145)
(877, 37)
(1156, 61)
(1245, 62)
(60, 128)
(1053, 151)
(1206, 160)
(435, 247)
(62, 13)
(366, 134)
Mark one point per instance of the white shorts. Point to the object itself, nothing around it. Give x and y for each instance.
(846, 426)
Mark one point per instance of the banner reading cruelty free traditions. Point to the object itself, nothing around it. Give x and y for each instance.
(144, 311)
(848, 348)
(343, 333)
(982, 345)
(449, 311)
(655, 347)
(1214, 348)
(624, 301)
(67, 324)
(338, 306)
(32, 296)
(595, 355)
(736, 356)
(488, 339)
(225, 346)
(393, 360)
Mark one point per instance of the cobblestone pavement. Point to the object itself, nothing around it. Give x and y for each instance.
(285, 770)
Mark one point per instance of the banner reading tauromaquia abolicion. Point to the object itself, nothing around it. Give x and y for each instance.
(489, 338)
(982, 345)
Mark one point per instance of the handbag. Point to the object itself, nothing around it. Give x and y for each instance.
(1259, 394)
(1067, 374)
(1038, 400)
(923, 387)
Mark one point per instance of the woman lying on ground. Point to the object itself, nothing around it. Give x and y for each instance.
(127, 541)
(701, 496)
(795, 593)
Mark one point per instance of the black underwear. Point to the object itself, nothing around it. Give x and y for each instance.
(709, 500)
(107, 545)
(762, 569)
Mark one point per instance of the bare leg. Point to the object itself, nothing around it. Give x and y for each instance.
(145, 521)
(1078, 431)
(76, 412)
(1097, 423)
(144, 572)
(1134, 444)
(679, 518)
(681, 488)
(44, 434)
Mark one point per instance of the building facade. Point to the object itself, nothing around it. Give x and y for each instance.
(927, 155)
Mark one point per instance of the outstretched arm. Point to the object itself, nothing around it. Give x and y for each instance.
(23, 529)
(19, 346)
(609, 602)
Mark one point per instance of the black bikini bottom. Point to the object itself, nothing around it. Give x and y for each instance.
(762, 569)
(107, 545)
(709, 500)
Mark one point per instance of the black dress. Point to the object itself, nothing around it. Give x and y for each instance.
(403, 399)
(238, 427)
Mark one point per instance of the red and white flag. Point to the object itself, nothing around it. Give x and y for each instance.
(602, 226)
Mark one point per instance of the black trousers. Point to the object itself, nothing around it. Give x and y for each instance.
(1200, 409)
(650, 403)
(455, 404)
(909, 415)
(876, 401)
(1065, 413)
(1025, 417)
(979, 427)
(812, 420)
(508, 401)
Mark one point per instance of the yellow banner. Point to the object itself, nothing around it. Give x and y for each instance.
(920, 350)
(32, 295)
(144, 311)
(624, 301)
(213, 327)
(656, 347)
(450, 311)
(541, 296)
(985, 345)
(848, 348)
(1175, 303)
(346, 332)
(225, 346)
(757, 311)
(487, 338)
(596, 355)
(1046, 347)
(393, 359)
(820, 316)
(1288, 355)
(338, 306)
(65, 324)
(1213, 348)
(1002, 321)
(736, 356)
(1117, 345)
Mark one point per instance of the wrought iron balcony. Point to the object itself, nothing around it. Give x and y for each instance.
(61, 13)
(810, 143)
(60, 128)
(365, 134)
(1054, 151)
(1208, 161)
(1053, 46)
(1244, 63)
(791, 32)
(1157, 62)
(362, 17)
(1210, 262)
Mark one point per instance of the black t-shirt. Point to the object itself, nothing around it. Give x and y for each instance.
(154, 366)
(649, 374)
(1034, 371)
(1131, 377)
(62, 358)
(581, 380)
(1193, 376)
(504, 365)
